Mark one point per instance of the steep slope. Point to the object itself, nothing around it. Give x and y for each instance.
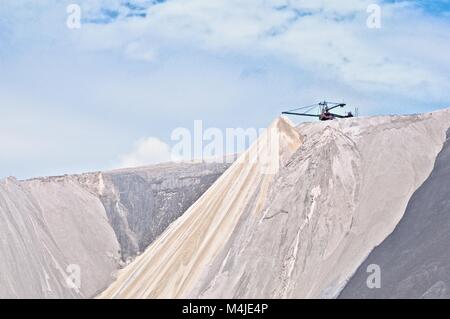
(299, 231)
(414, 260)
(47, 226)
(173, 264)
(91, 221)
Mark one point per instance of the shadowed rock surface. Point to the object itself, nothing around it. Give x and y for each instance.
(142, 202)
(92, 220)
(415, 259)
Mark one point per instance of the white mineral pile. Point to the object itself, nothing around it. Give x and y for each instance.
(51, 229)
(301, 230)
(64, 237)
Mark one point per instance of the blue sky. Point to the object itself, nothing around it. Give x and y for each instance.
(85, 99)
(434, 7)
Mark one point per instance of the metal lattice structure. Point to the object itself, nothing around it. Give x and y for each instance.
(323, 111)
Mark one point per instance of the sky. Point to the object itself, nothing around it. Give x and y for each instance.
(110, 94)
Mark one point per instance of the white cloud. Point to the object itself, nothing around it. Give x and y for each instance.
(327, 38)
(146, 151)
(140, 51)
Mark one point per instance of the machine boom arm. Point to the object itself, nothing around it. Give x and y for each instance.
(303, 114)
(333, 107)
(323, 108)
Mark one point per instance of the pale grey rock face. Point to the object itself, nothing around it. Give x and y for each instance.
(414, 260)
(92, 221)
(47, 226)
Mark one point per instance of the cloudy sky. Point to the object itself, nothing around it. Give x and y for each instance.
(110, 93)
